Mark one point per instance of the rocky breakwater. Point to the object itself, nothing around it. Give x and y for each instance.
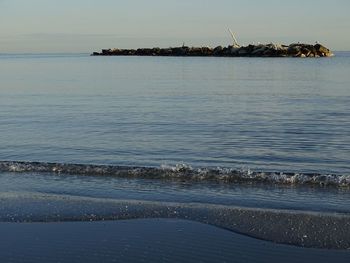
(259, 50)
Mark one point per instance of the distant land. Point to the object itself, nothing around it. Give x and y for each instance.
(259, 50)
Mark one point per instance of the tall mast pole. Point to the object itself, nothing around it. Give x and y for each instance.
(235, 43)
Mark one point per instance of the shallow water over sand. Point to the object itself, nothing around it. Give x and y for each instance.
(321, 199)
(145, 241)
(306, 217)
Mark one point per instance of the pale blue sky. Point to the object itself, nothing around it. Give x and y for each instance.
(89, 25)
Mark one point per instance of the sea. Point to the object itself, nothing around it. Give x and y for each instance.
(257, 133)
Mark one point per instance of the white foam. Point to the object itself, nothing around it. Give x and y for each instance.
(181, 171)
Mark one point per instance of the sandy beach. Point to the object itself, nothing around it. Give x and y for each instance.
(145, 240)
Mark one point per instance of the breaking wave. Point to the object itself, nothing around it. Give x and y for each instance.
(181, 172)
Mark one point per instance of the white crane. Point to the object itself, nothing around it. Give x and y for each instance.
(235, 43)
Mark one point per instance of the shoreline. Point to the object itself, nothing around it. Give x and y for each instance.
(323, 230)
(146, 240)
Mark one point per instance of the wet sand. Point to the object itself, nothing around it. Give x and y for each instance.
(146, 240)
(299, 228)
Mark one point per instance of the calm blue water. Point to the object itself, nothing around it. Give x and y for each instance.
(258, 113)
(270, 114)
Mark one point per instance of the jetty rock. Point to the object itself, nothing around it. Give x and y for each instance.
(260, 50)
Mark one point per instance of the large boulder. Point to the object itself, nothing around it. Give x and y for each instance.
(217, 51)
(156, 51)
(322, 51)
(144, 52)
(294, 49)
(106, 52)
(233, 50)
(226, 51)
(207, 51)
(243, 51)
(259, 50)
(165, 52)
(195, 51)
(178, 51)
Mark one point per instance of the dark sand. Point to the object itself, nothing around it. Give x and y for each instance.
(300, 228)
(146, 240)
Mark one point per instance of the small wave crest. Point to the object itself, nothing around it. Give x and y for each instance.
(181, 172)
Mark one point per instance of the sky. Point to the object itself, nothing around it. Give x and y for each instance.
(34, 26)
